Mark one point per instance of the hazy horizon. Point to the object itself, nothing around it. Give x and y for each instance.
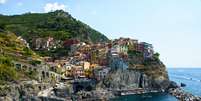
(173, 26)
(184, 67)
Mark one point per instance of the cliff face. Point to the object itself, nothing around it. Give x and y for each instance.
(158, 73)
(152, 77)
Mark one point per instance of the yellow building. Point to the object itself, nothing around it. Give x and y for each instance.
(86, 65)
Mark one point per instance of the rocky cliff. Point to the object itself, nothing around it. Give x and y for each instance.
(150, 77)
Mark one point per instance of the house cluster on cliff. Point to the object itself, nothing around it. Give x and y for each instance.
(84, 60)
(87, 60)
(47, 43)
(123, 49)
(122, 46)
(86, 63)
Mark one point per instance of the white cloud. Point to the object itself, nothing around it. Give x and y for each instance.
(3, 1)
(54, 6)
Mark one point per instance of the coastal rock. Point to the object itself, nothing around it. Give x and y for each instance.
(9, 92)
(173, 84)
(157, 73)
(181, 95)
(122, 79)
(132, 79)
(98, 95)
(183, 85)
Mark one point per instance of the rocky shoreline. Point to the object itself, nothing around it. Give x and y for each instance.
(181, 95)
(107, 94)
(102, 94)
(177, 91)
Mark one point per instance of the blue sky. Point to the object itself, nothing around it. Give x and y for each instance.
(172, 26)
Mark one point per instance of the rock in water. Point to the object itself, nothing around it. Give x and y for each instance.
(173, 84)
(183, 85)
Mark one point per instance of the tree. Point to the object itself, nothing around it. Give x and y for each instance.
(2, 27)
(7, 71)
(27, 51)
(156, 56)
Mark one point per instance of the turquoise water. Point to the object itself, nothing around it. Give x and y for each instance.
(190, 76)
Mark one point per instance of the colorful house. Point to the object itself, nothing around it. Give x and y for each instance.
(86, 65)
(123, 48)
(92, 66)
(122, 45)
(78, 71)
(114, 50)
(148, 52)
(140, 47)
(146, 48)
(133, 44)
(69, 42)
(94, 56)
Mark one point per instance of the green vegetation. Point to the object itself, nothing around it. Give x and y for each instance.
(35, 62)
(7, 71)
(56, 53)
(156, 56)
(12, 49)
(135, 53)
(155, 59)
(31, 74)
(27, 51)
(59, 24)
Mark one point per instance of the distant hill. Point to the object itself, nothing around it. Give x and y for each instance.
(58, 24)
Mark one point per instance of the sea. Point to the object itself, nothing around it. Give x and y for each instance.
(189, 76)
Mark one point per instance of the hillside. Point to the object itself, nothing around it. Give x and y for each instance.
(58, 25)
(78, 52)
(13, 49)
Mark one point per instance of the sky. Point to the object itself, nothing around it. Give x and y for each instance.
(172, 26)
